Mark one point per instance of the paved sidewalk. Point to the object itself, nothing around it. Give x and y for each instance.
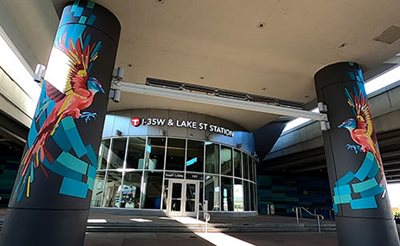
(184, 239)
(146, 239)
(183, 231)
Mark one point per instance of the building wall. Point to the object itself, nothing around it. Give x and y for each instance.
(287, 192)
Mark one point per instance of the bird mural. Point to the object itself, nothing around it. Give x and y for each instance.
(78, 95)
(361, 129)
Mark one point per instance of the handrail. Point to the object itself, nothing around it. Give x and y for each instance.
(206, 215)
(207, 218)
(319, 217)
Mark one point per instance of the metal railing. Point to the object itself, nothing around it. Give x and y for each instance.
(319, 217)
(198, 210)
(206, 215)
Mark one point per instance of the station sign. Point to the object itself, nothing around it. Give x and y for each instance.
(173, 175)
(190, 124)
(194, 176)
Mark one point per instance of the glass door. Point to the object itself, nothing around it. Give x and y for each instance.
(175, 201)
(183, 197)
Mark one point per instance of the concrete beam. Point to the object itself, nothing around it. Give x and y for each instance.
(219, 101)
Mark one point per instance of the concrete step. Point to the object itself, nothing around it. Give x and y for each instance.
(226, 227)
(272, 227)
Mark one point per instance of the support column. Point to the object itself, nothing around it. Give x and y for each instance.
(52, 192)
(355, 168)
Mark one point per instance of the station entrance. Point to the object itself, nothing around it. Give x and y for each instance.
(183, 197)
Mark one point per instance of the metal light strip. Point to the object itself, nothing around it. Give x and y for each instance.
(220, 101)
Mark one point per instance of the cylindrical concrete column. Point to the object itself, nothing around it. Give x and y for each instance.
(52, 192)
(355, 168)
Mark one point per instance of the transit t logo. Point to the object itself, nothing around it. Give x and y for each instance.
(135, 121)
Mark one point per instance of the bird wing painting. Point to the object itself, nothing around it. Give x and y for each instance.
(361, 128)
(359, 188)
(80, 90)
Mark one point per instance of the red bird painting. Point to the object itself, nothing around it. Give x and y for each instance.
(361, 129)
(78, 95)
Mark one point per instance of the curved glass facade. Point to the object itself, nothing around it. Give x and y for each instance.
(173, 174)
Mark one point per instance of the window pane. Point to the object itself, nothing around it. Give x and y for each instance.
(153, 185)
(252, 202)
(195, 156)
(212, 158)
(176, 190)
(117, 153)
(190, 205)
(104, 147)
(251, 174)
(226, 195)
(131, 190)
(134, 158)
(201, 195)
(237, 160)
(176, 205)
(165, 194)
(155, 153)
(176, 197)
(246, 196)
(245, 166)
(175, 154)
(212, 192)
(238, 195)
(112, 189)
(255, 196)
(226, 161)
(98, 188)
(255, 170)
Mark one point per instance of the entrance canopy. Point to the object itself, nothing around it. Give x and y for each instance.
(267, 48)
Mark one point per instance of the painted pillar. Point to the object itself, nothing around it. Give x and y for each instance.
(361, 204)
(52, 192)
